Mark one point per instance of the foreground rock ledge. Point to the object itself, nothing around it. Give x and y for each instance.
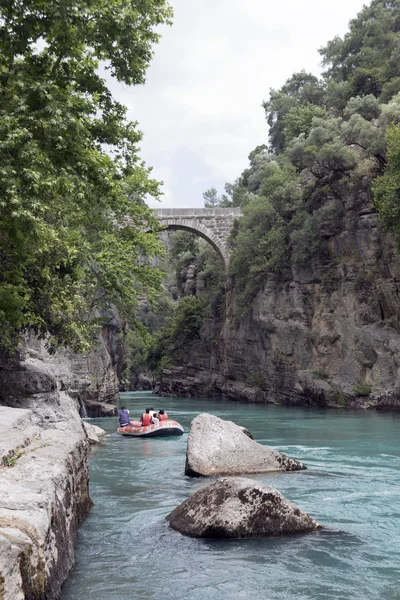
(218, 447)
(239, 508)
(44, 497)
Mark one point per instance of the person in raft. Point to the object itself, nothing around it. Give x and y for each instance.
(154, 419)
(145, 419)
(124, 417)
(162, 415)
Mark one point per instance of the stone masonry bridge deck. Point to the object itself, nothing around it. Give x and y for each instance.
(212, 224)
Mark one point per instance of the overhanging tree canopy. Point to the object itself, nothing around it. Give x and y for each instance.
(69, 167)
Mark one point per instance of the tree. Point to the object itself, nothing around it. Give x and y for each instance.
(71, 177)
(213, 200)
(367, 59)
(302, 89)
(299, 120)
(386, 188)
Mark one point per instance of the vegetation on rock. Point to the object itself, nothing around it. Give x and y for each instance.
(326, 137)
(362, 388)
(194, 292)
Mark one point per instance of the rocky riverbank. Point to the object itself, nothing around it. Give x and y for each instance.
(44, 475)
(44, 497)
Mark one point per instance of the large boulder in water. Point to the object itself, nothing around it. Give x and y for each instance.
(218, 447)
(239, 508)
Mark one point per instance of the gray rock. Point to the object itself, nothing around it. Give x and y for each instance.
(239, 508)
(93, 433)
(44, 475)
(100, 409)
(218, 447)
(44, 497)
(28, 380)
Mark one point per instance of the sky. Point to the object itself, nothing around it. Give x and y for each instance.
(201, 108)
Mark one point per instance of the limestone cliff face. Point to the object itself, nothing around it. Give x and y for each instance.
(44, 474)
(90, 378)
(314, 337)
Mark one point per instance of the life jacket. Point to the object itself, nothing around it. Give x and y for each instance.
(124, 417)
(163, 417)
(146, 419)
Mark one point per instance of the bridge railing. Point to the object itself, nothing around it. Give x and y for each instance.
(197, 212)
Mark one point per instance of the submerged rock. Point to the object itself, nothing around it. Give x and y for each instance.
(218, 447)
(239, 508)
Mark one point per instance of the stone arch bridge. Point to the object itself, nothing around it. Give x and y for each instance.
(212, 224)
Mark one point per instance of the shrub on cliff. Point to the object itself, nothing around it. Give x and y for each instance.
(180, 330)
(387, 186)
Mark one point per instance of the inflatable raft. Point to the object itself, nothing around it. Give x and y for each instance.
(164, 428)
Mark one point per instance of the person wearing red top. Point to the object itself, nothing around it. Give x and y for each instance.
(146, 418)
(162, 415)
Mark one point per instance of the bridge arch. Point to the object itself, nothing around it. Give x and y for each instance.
(212, 224)
(201, 231)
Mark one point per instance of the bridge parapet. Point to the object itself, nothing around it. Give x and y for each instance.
(198, 212)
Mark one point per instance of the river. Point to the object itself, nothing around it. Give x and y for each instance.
(126, 551)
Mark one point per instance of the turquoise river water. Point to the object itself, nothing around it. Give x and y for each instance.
(126, 550)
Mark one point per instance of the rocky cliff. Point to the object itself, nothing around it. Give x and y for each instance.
(90, 378)
(329, 334)
(44, 476)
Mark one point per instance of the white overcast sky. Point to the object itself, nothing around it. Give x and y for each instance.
(200, 109)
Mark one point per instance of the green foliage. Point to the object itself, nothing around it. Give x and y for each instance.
(186, 320)
(10, 460)
(306, 240)
(368, 107)
(367, 136)
(386, 188)
(182, 242)
(70, 173)
(336, 397)
(322, 152)
(366, 61)
(213, 200)
(257, 379)
(362, 388)
(260, 246)
(137, 343)
(325, 137)
(172, 341)
(299, 120)
(390, 113)
(320, 374)
(301, 90)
